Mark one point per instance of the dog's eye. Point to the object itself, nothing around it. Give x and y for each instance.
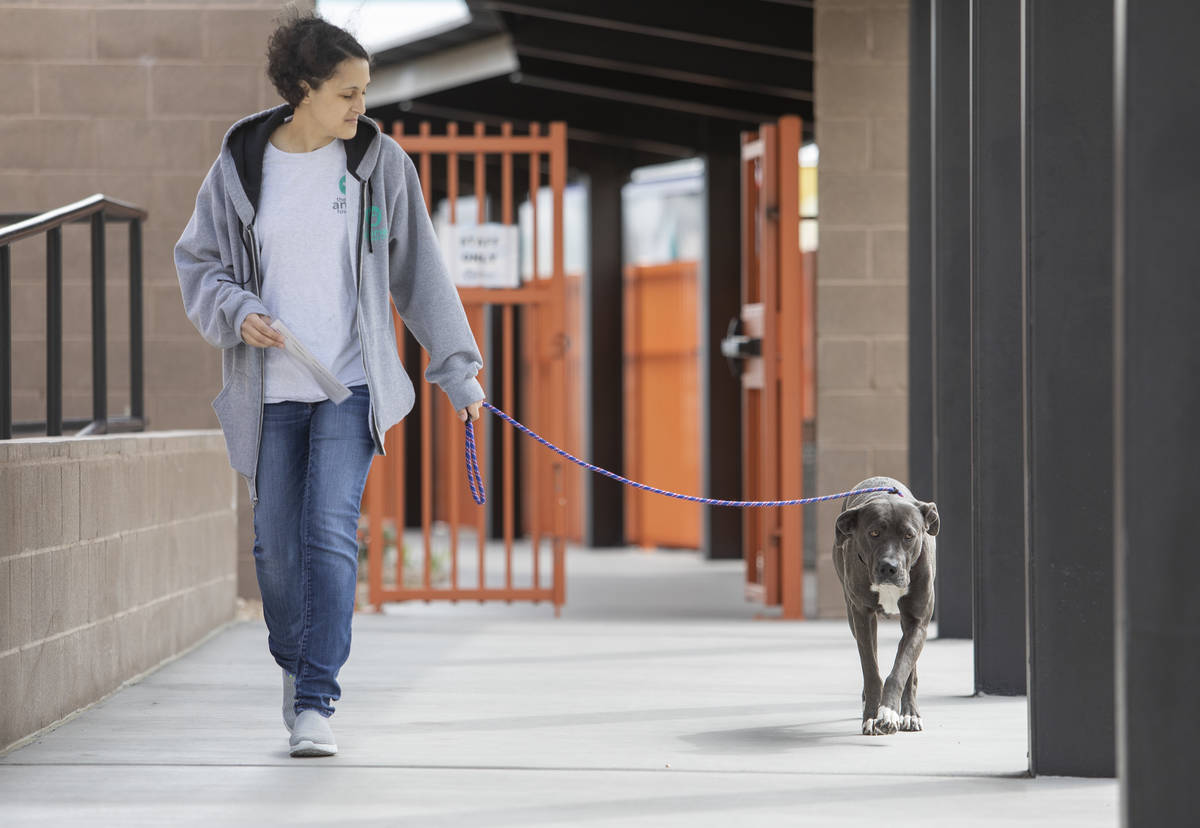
(874, 533)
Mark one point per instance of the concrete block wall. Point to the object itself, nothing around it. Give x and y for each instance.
(115, 554)
(861, 95)
(130, 98)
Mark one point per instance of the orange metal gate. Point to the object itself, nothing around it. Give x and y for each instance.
(446, 506)
(777, 386)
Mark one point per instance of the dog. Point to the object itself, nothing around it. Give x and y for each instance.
(884, 553)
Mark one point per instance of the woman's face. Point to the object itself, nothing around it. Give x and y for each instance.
(336, 104)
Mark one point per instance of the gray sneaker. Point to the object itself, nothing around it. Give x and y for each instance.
(289, 700)
(312, 736)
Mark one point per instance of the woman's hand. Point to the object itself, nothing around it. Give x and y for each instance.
(473, 409)
(257, 331)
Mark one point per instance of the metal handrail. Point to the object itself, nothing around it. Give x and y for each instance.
(96, 210)
(30, 224)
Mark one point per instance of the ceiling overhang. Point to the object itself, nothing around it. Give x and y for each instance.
(661, 78)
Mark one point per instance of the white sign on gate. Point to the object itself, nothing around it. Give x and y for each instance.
(483, 255)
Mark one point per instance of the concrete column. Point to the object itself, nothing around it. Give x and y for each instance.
(721, 420)
(997, 475)
(1157, 353)
(862, 262)
(604, 499)
(920, 255)
(1067, 230)
(952, 313)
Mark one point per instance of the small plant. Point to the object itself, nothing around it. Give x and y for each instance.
(414, 559)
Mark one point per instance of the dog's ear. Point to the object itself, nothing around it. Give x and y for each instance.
(932, 522)
(846, 522)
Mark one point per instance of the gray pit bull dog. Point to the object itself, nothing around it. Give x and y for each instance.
(884, 554)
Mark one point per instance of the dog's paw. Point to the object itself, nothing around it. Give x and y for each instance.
(885, 723)
(911, 724)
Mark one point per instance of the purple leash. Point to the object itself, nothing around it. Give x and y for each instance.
(475, 479)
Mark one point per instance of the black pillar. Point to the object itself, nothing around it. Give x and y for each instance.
(1157, 362)
(604, 504)
(951, 248)
(720, 392)
(1067, 225)
(920, 237)
(997, 474)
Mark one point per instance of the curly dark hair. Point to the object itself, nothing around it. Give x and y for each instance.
(307, 48)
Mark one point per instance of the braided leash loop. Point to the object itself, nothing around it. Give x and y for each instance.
(475, 480)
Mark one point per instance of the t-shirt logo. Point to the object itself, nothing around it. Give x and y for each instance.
(377, 230)
(339, 203)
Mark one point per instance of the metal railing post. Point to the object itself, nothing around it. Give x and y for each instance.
(136, 386)
(99, 316)
(6, 341)
(54, 333)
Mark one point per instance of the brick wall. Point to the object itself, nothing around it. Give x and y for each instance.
(130, 99)
(862, 289)
(116, 553)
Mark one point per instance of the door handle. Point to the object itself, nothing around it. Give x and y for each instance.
(736, 347)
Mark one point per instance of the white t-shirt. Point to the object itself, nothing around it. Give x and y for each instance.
(307, 276)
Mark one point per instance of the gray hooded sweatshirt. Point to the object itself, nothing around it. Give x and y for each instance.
(393, 251)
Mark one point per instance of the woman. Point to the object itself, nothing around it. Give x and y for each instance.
(311, 216)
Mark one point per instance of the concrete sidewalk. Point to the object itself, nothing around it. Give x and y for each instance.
(655, 700)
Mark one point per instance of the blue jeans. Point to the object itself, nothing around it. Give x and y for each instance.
(312, 466)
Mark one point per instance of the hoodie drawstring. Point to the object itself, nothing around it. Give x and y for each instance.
(370, 200)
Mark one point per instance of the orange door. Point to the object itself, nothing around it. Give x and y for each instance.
(768, 344)
(662, 402)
